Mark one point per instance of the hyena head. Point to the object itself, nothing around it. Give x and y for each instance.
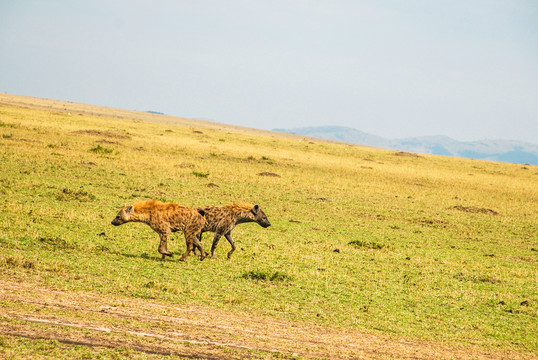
(124, 215)
(260, 217)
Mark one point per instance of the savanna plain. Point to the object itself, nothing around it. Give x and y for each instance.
(372, 254)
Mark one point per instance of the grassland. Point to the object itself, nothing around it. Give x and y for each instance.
(414, 248)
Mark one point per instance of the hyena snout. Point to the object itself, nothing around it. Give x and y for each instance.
(117, 221)
(265, 224)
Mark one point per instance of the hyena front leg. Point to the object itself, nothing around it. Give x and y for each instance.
(228, 237)
(162, 246)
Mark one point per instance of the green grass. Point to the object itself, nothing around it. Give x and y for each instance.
(419, 247)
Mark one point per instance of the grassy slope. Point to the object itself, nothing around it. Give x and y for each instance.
(428, 260)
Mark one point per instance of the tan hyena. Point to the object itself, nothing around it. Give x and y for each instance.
(164, 219)
(222, 220)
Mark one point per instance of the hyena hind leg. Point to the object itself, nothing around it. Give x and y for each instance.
(215, 243)
(198, 245)
(191, 239)
(199, 236)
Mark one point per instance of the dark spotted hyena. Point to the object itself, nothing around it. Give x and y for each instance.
(164, 219)
(222, 220)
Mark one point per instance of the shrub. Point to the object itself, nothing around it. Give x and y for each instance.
(200, 174)
(265, 276)
(80, 195)
(366, 244)
(101, 150)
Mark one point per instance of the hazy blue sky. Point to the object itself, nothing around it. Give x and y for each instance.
(467, 69)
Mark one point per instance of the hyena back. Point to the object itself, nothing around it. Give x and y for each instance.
(164, 219)
(222, 220)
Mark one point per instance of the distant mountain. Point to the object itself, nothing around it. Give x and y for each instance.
(495, 150)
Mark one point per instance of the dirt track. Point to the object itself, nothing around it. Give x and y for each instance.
(162, 329)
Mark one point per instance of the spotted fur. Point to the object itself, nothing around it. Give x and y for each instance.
(164, 219)
(223, 219)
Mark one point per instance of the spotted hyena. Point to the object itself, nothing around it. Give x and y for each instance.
(222, 220)
(164, 219)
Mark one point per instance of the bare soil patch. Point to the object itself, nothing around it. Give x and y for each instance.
(163, 328)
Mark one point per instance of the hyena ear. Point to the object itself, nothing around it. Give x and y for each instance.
(130, 209)
(255, 209)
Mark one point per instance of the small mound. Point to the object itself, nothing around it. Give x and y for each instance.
(270, 174)
(408, 154)
(106, 134)
(475, 210)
